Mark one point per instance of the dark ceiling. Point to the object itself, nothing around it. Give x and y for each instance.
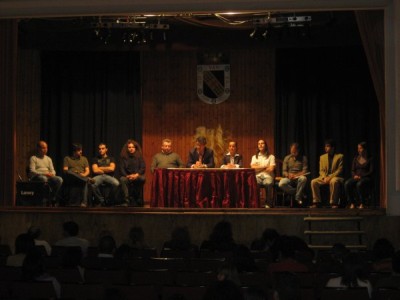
(191, 31)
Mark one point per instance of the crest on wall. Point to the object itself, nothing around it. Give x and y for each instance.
(213, 83)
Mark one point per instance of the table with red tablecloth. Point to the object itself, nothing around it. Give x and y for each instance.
(204, 188)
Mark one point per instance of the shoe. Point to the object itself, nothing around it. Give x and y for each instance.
(299, 203)
(352, 206)
(125, 204)
(83, 205)
(334, 206)
(267, 206)
(361, 206)
(314, 205)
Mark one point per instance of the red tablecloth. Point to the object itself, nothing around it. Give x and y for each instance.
(204, 188)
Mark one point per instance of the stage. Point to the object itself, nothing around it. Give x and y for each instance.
(247, 224)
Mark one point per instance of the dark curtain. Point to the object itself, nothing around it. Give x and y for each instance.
(90, 97)
(8, 100)
(371, 27)
(326, 93)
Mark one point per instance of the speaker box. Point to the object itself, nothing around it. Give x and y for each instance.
(31, 193)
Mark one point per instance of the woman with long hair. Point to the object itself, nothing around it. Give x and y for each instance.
(132, 168)
(358, 186)
(264, 164)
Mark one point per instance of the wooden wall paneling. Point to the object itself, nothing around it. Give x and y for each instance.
(28, 106)
(172, 109)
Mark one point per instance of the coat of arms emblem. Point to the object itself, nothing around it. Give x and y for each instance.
(213, 83)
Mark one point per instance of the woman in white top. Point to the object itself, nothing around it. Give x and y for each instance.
(264, 164)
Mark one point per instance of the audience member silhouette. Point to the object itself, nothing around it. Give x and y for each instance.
(71, 239)
(382, 252)
(267, 240)
(354, 274)
(287, 246)
(228, 271)
(33, 270)
(35, 233)
(223, 290)
(180, 240)
(287, 286)
(243, 260)
(23, 243)
(392, 281)
(220, 239)
(333, 263)
(136, 237)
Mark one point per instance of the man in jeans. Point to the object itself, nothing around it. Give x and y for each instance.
(103, 167)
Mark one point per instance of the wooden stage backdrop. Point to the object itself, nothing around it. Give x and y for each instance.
(171, 108)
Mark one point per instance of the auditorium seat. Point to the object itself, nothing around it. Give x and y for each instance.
(386, 294)
(187, 278)
(192, 293)
(93, 276)
(82, 291)
(157, 277)
(27, 290)
(143, 292)
(173, 253)
(255, 279)
(344, 294)
(66, 275)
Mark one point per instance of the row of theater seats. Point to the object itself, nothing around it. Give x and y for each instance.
(159, 285)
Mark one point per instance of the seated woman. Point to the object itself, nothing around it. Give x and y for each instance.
(264, 164)
(357, 187)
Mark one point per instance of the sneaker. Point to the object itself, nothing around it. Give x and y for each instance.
(267, 206)
(352, 206)
(314, 205)
(125, 204)
(361, 206)
(334, 206)
(83, 205)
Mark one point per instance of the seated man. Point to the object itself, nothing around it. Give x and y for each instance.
(71, 238)
(132, 168)
(76, 170)
(330, 170)
(41, 169)
(103, 167)
(166, 158)
(232, 159)
(294, 171)
(201, 156)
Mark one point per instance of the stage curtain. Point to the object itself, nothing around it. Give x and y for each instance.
(90, 97)
(326, 93)
(370, 25)
(8, 75)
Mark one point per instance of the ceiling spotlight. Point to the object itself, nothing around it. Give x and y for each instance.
(265, 33)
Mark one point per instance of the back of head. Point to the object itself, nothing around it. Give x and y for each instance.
(23, 243)
(34, 232)
(107, 244)
(136, 234)
(382, 249)
(222, 232)
(71, 228)
(180, 238)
